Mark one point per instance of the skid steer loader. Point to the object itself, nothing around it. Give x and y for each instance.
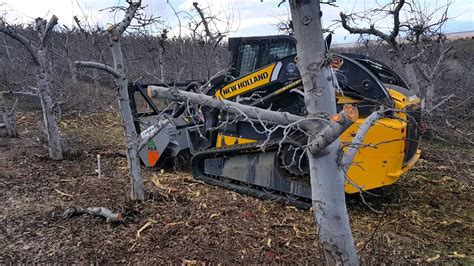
(226, 151)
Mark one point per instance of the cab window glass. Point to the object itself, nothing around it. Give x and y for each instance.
(248, 57)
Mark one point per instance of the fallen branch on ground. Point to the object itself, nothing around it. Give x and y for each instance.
(109, 215)
(63, 193)
(145, 226)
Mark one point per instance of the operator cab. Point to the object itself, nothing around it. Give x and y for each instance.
(359, 77)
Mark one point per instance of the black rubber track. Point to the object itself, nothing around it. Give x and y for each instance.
(197, 165)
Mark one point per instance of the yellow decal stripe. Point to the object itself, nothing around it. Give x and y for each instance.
(247, 83)
(289, 86)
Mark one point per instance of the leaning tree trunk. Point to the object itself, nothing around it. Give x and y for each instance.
(137, 190)
(49, 118)
(118, 71)
(327, 178)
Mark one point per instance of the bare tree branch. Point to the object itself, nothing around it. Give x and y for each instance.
(438, 64)
(49, 26)
(349, 155)
(228, 106)
(389, 38)
(204, 22)
(118, 29)
(109, 215)
(396, 20)
(23, 40)
(339, 123)
(99, 66)
(372, 30)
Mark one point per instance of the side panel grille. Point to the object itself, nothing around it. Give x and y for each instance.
(413, 132)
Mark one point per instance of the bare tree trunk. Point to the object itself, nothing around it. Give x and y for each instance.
(161, 62)
(49, 118)
(427, 102)
(137, 190)
(327, 178)
(7, 50)
(118, 71)
(217, 59)
(411, 78)
(7, 122)
(95, 76)
(72, 70)
(43, 29)
(191, 64)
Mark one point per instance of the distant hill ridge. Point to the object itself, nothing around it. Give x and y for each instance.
(450, 35)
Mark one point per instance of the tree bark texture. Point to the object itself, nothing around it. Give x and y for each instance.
(47, 105)
(228, 106)
(118, 71)
(411, 78)
(39, 55)
(358, 139)
(327, 179)
(72, 70)
(7, 50)
(115, 34)
(7, 122)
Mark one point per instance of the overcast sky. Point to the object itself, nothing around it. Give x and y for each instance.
(246, 17)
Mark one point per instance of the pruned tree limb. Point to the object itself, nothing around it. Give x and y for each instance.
(228, 106)
(44, 32)
(99, 66)
(109, 215)
(339, 123)
(358, 139)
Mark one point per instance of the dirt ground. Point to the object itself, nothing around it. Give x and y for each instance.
(426, 217)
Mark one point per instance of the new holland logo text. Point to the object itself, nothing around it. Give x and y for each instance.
(244, 83)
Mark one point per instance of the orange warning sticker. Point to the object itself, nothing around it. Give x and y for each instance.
(153, 157)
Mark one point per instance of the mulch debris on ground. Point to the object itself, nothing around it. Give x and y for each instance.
(425, 217)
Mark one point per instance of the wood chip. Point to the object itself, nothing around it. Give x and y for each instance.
(145, 226)
(437, 256)
(63, 193)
